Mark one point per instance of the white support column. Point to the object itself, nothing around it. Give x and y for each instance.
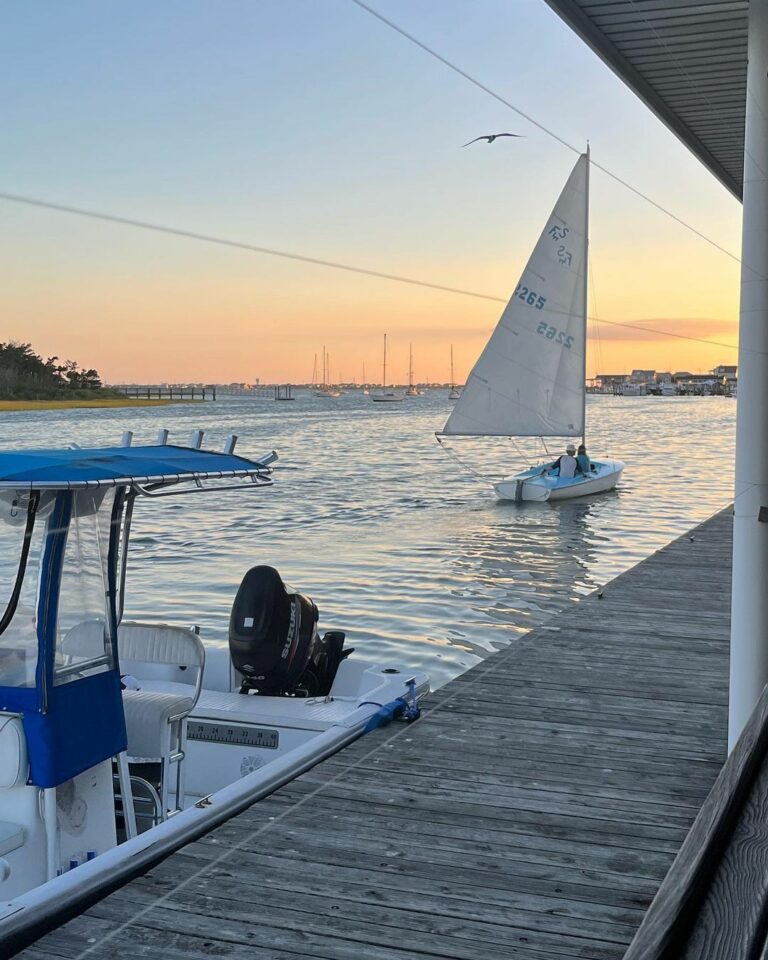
(749, 605)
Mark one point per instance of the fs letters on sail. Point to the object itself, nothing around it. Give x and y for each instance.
(529, 379)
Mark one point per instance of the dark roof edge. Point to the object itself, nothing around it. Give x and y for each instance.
(580, 23)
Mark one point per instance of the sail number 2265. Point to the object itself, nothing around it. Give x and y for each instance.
(552, 333)
(530, 296)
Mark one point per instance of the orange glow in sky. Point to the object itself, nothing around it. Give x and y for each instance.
(240, 124)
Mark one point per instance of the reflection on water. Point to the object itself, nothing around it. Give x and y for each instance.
(399, 543)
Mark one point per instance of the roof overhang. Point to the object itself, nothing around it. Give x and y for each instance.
(686, 59)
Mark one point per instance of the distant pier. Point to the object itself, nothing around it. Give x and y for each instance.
(531, 813)
(167, 392)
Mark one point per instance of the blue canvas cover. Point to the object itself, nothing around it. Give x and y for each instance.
(83, 725)
(71, 726)
(61, 469)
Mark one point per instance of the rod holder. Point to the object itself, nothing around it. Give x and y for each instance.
(196, 440)
(162, 437)
(127, 438)
(229, 443)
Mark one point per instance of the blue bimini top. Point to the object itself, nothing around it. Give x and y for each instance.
(118, 466)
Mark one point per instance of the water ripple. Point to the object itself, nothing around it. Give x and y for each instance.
(400, 545)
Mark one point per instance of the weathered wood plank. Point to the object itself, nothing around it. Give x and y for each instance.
(702, 909)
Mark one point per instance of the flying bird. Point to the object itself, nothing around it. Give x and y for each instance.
(490, 137)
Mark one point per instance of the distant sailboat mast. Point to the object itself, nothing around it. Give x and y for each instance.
(454, 393)
(384, 374)
(412, 391)
(386, 396)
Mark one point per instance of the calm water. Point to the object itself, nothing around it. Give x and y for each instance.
(399, 543)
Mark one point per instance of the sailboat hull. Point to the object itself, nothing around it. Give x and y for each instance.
(537, 484)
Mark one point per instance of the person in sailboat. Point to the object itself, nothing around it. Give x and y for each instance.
(583, 462)
(567, 465)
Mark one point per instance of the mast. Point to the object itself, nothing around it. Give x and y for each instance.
(453, 385)
(410, 369)
(586, 305)
(384, 381)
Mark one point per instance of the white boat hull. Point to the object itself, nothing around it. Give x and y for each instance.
(387, 397)
(226, 772)
(537, 485)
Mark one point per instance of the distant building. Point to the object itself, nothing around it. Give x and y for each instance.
(700, 384)
(610, 380)
(664, 377)
(642, 376)
(726, 372)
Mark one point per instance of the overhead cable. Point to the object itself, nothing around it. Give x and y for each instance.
(550, 133)
(303, 258)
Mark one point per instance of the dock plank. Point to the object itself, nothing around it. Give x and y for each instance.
(532, 813)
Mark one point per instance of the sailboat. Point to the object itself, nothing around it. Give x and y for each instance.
(413, 390)
(530, 380)
(325, 390)
(386, 395)
(455, 392)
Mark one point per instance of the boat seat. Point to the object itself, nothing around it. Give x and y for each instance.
(149, 716)
(156, 720)
(12, 837)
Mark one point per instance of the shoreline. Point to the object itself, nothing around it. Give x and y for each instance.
(20, 405)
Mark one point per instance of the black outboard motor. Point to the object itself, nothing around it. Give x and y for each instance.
(274, 643)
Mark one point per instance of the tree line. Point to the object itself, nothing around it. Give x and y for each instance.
(24, 375)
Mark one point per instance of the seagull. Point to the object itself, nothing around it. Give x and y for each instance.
(490, 137)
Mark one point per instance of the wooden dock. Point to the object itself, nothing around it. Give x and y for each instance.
(167, 391)
(532, 813)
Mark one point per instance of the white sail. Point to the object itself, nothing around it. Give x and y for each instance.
(529, 379)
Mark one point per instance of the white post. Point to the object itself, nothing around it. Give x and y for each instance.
(749, 604)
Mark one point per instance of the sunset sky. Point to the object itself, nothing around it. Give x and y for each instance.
(311, 127)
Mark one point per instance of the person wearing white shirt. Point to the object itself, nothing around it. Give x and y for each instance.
(567, 464)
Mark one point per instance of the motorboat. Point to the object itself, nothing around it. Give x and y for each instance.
(122, 740)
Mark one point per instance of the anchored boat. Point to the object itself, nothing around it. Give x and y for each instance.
(454, 393)
(413, 390)
(325, 389)
(120, 741)
(530, 380)
(386, 395)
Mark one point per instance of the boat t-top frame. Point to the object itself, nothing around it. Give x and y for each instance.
(59, 667)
